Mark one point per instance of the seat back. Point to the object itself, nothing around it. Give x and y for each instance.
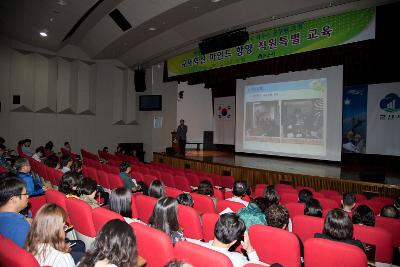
(172, 192)
(295, 209)
(259, 192)
(330, 193)
(147, 179)
(196, 255)
(138, 176)
(145, 206)
(376, 206)
(103, 179)
(392, 226)
(11, 255)
(209, 220)
(153, 245)
(101, 216)
(328, 204)
(189, 221)
(56, 197)
(299, 188)
(223, 204)
(219, 194)
(193, 179)
(306, 226)
(289, 198)
(35, 203)
(182, 183)
(275, 245)
(321, 252)
(80, 214)
(92, 173)
(227, 181)
(376, 236)
(168, 179)
(384, 200)
(203, 203)
(115, 181)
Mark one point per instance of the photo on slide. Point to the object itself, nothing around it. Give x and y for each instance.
(263, 120)
(303, 121)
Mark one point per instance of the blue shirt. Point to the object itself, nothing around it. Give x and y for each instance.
(14, 226)
(31, 184)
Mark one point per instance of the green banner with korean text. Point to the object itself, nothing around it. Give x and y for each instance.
(301, 37)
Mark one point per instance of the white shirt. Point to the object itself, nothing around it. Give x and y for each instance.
(36, 157)
(237, 259)
(54, 257)
(239, 200)
(65, 169)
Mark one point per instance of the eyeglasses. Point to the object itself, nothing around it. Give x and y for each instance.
(25, 194)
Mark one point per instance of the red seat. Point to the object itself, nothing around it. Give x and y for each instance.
(93, 173)
(295, 209)
(219, 194)
(182, 183)
(189, 221)
(227, 181)
(155, 173)
(330, 193)
(35, 203)
(306, 226)
(217, 179)
(318, 195)
(275, 245)
(228, 194)
(283, 186)
(206, 177)
(199, 256)
(289, 198)
(101, 216)
(209, 220)
(103, 179)
(392, 226)
(172, 192)
(327, 203)
(148, 179)
(259, 192)
(203, 203)
(305, 187)
(145, 206)
(384, 200)
(376, 206)
(321, 252)
(57, 175)
(168, 179)
(56, 197)
(376, 236)
(193, 179)
(153, 245)
(137, 176)
(135, 213)
(338, 199)
(11, 255)
(287, 191)
(360, 197)
(115, 181)
(223, 204)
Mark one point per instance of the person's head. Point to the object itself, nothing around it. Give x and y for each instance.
(363, 215)
(2, 149)
(271, 196)
(350, 136)
(66, 161)
(278, 216)
(22, 165)
(87, 186)
(105, 149)
(182, 122)
(115, 242)
(390, 211)
(177, 263)
(67, 145)
(313, 208)
(205, 188)
(27, 142)
(185, 199)
(13, 194)
(2, 140)
(261, 203)
(349, 201)
(239, 188)
(229, 228)
(338, 225)
(165, 215)
(69, 184)
(40, 151)
(125, 167)
(156, 189)
(47, 228)
(52, 161)
(120, 201)
(49, 146)
(76, 167)
(305, 195)
(397, 203)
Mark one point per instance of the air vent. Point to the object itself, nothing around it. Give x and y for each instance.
(121, 21)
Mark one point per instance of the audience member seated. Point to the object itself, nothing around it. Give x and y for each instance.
(364, 215)
(338, 227)
(156, 189)
(185, 199)
(254, 213)
(165, 218)
(26, 147)
(33, 186)
(240, 189)
(67, 146)
(66, 163)
(389, 211)
(3, 160)
(39, 154)
(48, 149)
(129, 182)
(105, 149)
(205, 188)
(313, 208)
(69, 185)
(114, 246)
(271, 196)
(87, 191)
(46, 238)
(76, 167)
(230, 229)
(305, 195)
(120, 202)
(177, 263)
(348, 202)
(13, 199)
(52, 162)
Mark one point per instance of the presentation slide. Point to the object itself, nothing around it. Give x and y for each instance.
(295, 114)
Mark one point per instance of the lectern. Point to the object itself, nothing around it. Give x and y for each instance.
(174, 141)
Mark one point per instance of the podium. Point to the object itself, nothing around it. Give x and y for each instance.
(174, 141)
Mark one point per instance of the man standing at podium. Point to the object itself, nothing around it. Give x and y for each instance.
(181, 136)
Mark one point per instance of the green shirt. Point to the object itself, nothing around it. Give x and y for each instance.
(252, 215)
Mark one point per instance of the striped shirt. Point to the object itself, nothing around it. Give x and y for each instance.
(53, 257)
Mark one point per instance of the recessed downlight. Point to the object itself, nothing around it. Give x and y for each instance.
(152, 29)
(43, 33)
(215, 1)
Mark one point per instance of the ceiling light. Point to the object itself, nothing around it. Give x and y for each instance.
(62, 2)
(152, 29)
(215, 1)
(43, 33)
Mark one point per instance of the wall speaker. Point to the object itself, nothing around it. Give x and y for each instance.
(224, 41)
(140, 80)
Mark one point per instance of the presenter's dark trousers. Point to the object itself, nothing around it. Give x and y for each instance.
(182, 147)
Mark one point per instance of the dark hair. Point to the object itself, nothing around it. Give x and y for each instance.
(261, 203)
(2, 140)
(66, 143)
(76, 165)
(205, 188)
(124, 166)
(65, 159)
(364, 215)
(49, 145)
(120, 201)
(390, 211)
(105, 148)
(68, 181)
(51, 161)
(87, 186)
(10, 187)
(240, 188)
(313, 208)
(278, 216)
(229, 228)
(27, 140)
(156, 189)
(305, 195)
(165, 215)
(21, 162)
(176, 263)
(40, 149)
(349, 199)
(185, 199)
(338, 225)
(116, 242)
(397, 202)
(2, 147)
(271, 196)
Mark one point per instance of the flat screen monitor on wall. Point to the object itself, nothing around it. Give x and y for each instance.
(150, 102)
